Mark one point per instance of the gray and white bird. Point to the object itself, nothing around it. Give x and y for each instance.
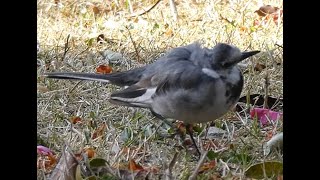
(189, 83)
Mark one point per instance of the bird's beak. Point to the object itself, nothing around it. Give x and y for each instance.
(248, 54)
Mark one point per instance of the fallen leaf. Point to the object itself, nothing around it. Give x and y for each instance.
(181, 127)
(104, 69)
(97, 162)
(100, 8)
(271, 168)
(259, 67)
(244, 29)
(47, 162)
(169, 33)
(266, 9)
(268, 12)
(277, 15)
(133, 166)
(264, 115)
(96, 10)
(212, 155)
(52, 160)
(90, 152)
(75, 119)
(78, 173)
(207, 166)
(99, 131)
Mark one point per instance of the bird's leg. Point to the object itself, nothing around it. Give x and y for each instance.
(162, 119)
(188, 128)
(176, 129)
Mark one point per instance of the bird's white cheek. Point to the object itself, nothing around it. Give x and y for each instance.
(234, 75)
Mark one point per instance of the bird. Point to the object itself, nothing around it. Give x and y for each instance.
(190, 83)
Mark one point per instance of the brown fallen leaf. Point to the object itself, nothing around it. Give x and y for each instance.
(96, 10)
(244, 29)
(133, 166)
(169, 33)
(266, 9)
(100, 8)
(207, 166)
(47, 162)
(181, 127)
(104, 69)
(259, 67)
(268, 12)
(99, 131)
(75, 119)
(90, 152)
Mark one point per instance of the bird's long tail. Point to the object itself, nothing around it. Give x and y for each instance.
(126, 78)
(78, 76)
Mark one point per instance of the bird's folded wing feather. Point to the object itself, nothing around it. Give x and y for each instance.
(176, 75)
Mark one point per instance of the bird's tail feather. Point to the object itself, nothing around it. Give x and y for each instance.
(78, 76)
(126, 78)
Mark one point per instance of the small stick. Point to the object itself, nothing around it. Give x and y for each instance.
(266, 86)
(168, 171)
(66, 48)
(145, 12)
(134, 45)
(200, 162)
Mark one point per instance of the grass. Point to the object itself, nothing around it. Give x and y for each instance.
(132, 133)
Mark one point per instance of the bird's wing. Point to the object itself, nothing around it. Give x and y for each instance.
(175, 75)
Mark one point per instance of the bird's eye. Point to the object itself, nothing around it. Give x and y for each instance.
(226, 64)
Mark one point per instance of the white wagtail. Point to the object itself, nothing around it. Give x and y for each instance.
(189, 83)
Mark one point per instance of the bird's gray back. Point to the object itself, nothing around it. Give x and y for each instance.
(186, 59)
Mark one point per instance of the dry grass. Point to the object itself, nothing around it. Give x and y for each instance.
(140, 40)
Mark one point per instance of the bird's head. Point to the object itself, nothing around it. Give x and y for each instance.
(227, 56)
